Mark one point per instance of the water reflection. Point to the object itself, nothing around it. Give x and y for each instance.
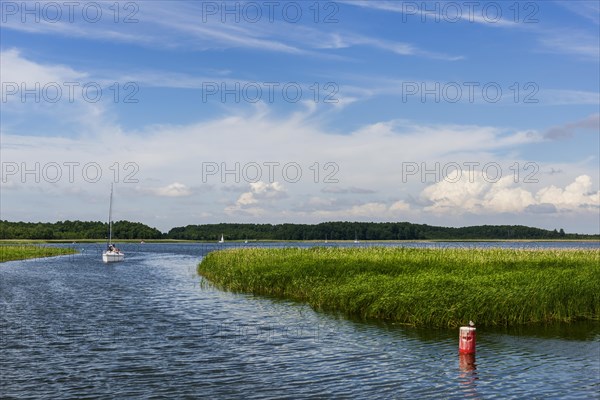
(468, 375)
(466, 362)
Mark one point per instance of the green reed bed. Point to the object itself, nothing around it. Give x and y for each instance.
(421, 287)
(24, 251)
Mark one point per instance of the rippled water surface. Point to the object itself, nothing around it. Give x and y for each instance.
(73, 327)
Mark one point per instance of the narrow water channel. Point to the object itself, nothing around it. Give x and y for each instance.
(149, 327)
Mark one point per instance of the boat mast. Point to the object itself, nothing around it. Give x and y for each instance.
(110, 217)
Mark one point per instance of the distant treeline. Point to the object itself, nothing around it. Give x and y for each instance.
(364, 231)
(328, 230)
(76, 230)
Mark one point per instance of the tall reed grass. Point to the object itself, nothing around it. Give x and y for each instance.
(421, 287)
(24, 251)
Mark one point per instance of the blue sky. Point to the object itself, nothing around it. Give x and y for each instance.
(446, 113)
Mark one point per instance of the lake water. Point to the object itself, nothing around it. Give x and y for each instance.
(149, 327)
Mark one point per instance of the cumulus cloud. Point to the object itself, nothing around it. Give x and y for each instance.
(473, 193)
(574, 196)
(259, 195)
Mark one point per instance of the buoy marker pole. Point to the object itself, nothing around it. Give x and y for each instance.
(466, 339)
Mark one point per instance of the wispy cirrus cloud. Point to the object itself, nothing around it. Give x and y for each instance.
(342, 39)
(587, 9)
(557, 39)
(571, 41)
(555, 97)
(438, 11)
(183, 22)
(184, 25)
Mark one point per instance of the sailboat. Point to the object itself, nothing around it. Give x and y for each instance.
(222, 240)
(112, 254)
(355, 238)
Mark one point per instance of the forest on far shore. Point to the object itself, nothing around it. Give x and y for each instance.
(72, 230)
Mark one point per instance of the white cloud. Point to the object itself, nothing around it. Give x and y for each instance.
(170, 163)
(16, 68)
(170, 160)
(400, 205)
(259, 196)
(474, 193)
(367, 210)
(53, 97)
(320, 202)
(176, 24)
(574, 196)
(330, 209)
(175, 189)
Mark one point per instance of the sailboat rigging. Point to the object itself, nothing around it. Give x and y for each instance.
(112, 254)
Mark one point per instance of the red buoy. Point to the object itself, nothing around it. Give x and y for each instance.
(466, 340)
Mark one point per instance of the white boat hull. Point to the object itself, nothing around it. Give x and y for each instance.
(112, 256)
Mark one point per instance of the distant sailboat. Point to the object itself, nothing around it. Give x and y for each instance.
(355, 238)
(222, 240)
(325, 238)
(112, 254)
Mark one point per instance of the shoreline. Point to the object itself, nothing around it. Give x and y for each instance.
(70, 241)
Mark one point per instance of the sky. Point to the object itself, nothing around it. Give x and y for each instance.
(441, 113)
